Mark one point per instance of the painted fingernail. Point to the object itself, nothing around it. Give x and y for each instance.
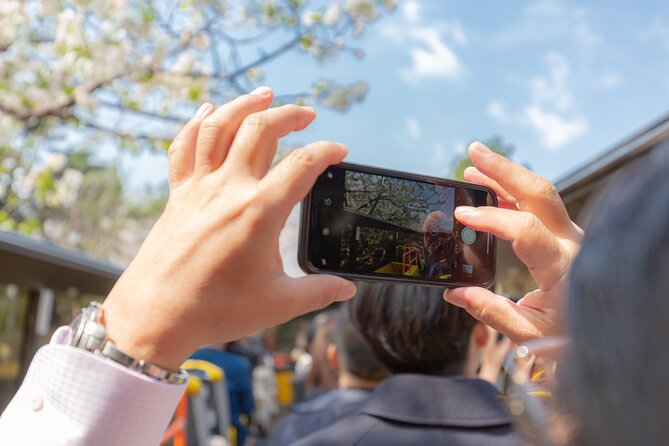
(465, 211)
(481, 148)
(204, 110)
(347, 292)
(261, 91)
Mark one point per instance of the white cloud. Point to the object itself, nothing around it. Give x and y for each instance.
(551, 102)
(553, 89)
(414, 129)
(431, 56)
(429, 44)
(554, 130)
(497, 111)
(412, 11)
(550, 111)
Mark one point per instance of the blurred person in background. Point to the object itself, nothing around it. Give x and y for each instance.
(321, 377)
(237, 370)
(302, 359)
(359, 372)
(433, 351)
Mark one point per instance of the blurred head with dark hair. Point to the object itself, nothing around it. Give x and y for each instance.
(616, 370)
(411, 329)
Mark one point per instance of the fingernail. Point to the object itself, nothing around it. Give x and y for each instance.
(342, 146)
(261, 91)
(454, 298)
(481, 148)
(347, 292)
(204, 110)
(465, 211)
(307, 108)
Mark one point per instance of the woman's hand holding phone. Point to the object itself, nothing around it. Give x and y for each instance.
(534, 219)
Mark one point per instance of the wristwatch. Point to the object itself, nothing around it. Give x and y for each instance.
(89, 333)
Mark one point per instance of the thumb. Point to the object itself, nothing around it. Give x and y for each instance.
(314, 292)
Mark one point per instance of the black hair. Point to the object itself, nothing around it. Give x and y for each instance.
(355, 354)
(411, 329)
(616, 371)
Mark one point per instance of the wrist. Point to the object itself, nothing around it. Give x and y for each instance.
(142, 337)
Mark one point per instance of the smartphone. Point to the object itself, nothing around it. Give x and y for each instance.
(371, 224)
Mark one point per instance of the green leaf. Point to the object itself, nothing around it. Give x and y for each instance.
(30, 226)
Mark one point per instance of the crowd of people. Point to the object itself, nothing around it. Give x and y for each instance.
(408, 364)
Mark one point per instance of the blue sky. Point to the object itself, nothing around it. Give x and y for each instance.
(560, 80)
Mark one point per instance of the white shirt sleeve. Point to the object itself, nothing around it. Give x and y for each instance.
(73, 397)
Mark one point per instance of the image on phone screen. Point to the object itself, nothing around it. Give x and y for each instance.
(369, 223)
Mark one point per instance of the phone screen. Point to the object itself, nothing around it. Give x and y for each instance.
(369, 223)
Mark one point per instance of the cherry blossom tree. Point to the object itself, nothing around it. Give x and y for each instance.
(82, 76)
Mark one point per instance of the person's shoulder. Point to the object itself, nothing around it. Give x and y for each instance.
(347, 431)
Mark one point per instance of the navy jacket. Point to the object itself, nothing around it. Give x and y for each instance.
(317, 413)
(410, 409)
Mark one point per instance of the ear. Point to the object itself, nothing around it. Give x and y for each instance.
(480, 334)
(332, 357)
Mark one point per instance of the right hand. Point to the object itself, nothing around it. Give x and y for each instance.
(210, 270)
(534, 219)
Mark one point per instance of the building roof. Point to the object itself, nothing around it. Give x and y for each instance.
(581, 180)
(28, 262)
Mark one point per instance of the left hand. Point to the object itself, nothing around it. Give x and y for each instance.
(533, 218)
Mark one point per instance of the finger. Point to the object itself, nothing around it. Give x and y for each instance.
(498, 312)
(292, 178)
(255, 144)
(181, 154)
(534, 193)
(473, 175)
(314, 292)
(532, 242)
(502, 203)
(219, 129)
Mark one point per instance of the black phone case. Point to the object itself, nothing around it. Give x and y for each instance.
(303, 244)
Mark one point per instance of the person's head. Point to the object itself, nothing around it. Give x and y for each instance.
(616, 371)
(352, 355)
(436, 233)
(411, 329)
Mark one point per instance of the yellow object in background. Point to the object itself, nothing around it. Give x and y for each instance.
(284, 385)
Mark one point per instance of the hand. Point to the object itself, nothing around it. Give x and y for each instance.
(210, 269)
(532, 216)
(493, 356)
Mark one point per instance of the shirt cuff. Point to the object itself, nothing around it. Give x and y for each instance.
(71, 396)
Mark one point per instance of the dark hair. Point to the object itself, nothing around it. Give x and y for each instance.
(355, 354)
(616, 371)
(411, 329)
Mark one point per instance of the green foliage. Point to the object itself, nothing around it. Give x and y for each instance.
(77, 76)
